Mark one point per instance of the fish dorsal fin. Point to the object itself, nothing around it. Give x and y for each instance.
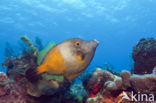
(44, 51)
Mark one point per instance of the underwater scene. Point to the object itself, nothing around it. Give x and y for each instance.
(78, 51)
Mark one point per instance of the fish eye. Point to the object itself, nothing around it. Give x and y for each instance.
(77, 43)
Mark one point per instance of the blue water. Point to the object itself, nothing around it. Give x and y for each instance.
(117, 24)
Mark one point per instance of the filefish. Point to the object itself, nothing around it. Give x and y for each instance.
(69, 58)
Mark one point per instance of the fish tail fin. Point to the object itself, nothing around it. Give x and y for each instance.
(32, 75)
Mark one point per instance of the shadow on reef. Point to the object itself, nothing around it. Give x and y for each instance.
(103, 85)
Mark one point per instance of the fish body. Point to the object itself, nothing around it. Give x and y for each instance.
(69, 58)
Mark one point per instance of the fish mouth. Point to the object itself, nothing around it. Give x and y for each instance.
(94, 43)
(90, 45)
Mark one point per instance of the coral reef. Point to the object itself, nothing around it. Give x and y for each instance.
(10, 91)
(138, 83)
(144, 56)
(97, 80)
(104, 86)
(18, 66)
(78, 91)
(15, 91)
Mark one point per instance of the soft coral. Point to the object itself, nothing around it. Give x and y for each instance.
(94, 91)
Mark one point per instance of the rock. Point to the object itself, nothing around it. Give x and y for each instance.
(137, 83)
(114, 85)
(144, 56)
(144, 83)
(125, 75)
